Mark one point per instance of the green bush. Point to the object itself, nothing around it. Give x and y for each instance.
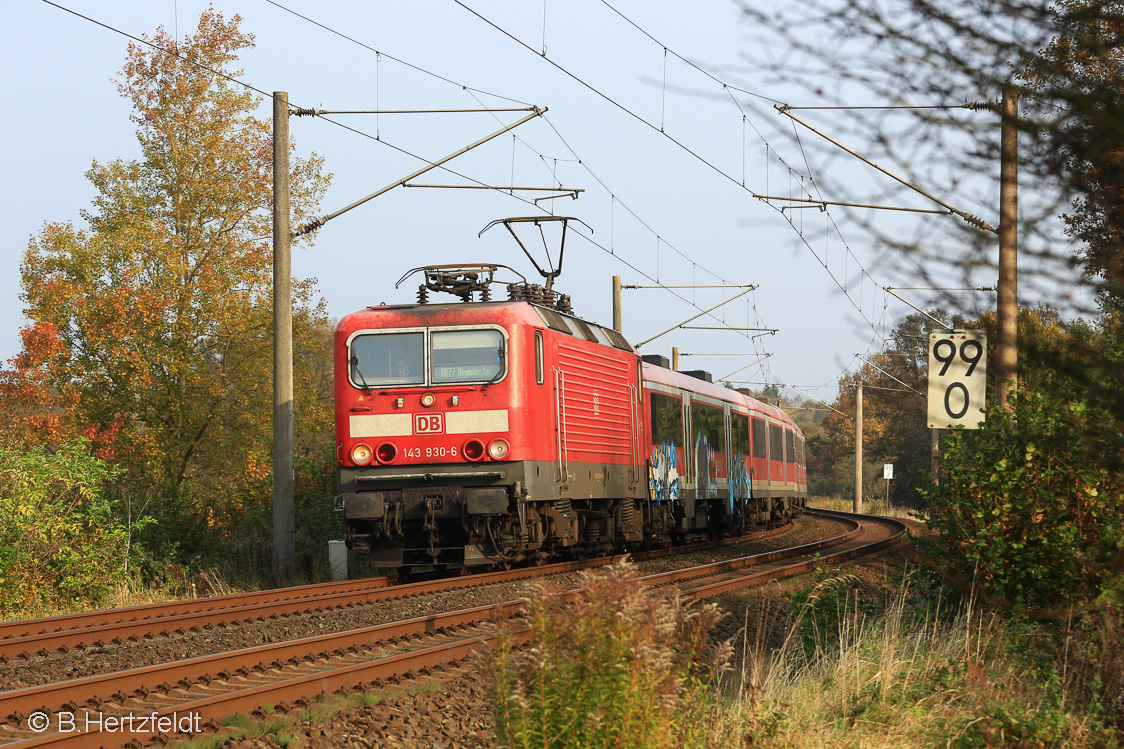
(59, 542)
(1030, 504)
(616, 666)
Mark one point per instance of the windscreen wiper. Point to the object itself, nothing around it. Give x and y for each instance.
(499, 373)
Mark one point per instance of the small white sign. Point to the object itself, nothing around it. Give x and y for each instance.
(887, 471)
(957, 378)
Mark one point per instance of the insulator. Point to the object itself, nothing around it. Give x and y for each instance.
(486, 294)
(512, 292)
(423, 295)
(299, 112)
(311, 226)
(990, 106)
(977, 222)
(563, 304)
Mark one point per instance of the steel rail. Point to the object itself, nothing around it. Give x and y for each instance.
(211, 710)
(197, 617)
(856, 549)
(93, 690)
(298, 687)
(53, 634)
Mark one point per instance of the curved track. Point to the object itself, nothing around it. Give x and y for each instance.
(208, 688)
(94, 629)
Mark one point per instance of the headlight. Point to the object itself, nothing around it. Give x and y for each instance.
(361, 454)
(498, 449)
(428, 399)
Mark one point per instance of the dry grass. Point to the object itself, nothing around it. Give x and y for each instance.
(616, 666)
(911, 676)
(878, 507)
(127, 595)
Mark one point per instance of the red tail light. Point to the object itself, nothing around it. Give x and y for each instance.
(474, 449)
(386, 453)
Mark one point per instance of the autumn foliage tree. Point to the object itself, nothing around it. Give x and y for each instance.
(151, 326)
(894, 424)
(1074, 90)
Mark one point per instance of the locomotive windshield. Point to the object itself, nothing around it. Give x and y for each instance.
(399, 359)
(384, 359)
(466, 356)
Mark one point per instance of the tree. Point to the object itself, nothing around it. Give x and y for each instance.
(894, 426)
(59, 541)
(1062, 451)
(1075, 83)
(1030, 504)
(952, 61)
(156, 318)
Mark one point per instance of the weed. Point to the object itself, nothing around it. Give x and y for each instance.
(612, 665)
(913, 670)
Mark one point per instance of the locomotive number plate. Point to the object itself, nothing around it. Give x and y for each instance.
(429, 423)
(431, 452)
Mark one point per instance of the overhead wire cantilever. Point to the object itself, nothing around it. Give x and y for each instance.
(973, 220)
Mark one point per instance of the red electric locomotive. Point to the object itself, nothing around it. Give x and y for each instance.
(495, 432)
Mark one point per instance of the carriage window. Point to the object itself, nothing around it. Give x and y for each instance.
(667, 419)
(707, 423)
(466, 356)
(758, 438)
(790, 444)
(776, 442)
(380, 359)
(739, 433)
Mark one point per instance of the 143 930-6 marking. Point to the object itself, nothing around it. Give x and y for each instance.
(444, 451)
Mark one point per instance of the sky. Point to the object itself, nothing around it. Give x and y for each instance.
(656, 111)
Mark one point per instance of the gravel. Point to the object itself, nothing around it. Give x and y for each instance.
(451, 713)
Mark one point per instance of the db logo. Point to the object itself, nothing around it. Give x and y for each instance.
(429, 423)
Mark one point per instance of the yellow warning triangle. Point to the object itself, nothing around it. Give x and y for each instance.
(360, 398)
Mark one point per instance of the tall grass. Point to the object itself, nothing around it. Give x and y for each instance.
(877, 506)
(617, 666)
(621, 666)
(913, 675)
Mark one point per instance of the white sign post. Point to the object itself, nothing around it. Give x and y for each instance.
(957, 378)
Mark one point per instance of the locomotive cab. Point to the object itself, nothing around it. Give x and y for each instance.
(424, 417)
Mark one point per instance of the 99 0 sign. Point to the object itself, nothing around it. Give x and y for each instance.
(957, 378)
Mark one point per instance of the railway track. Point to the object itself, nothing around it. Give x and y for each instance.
(186, 695)
(97, 629)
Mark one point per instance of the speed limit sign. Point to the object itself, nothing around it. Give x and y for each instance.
(957, 378)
